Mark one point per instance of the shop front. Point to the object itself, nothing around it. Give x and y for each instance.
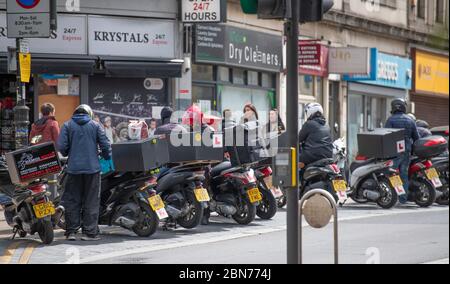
(312, 77)
(123, 67)
(430, 95)
(369, 100)
(235, 66)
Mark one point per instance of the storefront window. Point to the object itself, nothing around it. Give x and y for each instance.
(236, 98)
(268, 80)
(306, 85)
(63, 91)
(203, 96)
(239, 76)
(7, 103)
(253, 78)
(202, 72)
(223, 74)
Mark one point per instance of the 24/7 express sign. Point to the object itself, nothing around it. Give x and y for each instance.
(203, 11)
(28, 18)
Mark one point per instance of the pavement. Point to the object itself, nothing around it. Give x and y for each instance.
(406, 234)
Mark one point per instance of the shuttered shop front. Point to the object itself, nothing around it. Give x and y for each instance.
(432, 109)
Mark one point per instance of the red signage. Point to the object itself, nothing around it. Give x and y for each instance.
(313, 58)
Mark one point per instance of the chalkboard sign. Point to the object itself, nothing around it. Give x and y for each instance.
(33, 163)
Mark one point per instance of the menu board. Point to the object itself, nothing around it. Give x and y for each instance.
(120, 100)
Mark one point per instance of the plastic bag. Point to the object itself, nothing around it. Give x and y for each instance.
(138, 130)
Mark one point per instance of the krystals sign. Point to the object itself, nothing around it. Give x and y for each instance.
(225, 45)
(70, 38)
(131, 37)
(203, 11)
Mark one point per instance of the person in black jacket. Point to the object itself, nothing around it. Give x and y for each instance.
(315, 137)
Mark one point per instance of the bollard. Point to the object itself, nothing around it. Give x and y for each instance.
(318, 206)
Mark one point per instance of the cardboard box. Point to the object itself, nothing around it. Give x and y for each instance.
(382, 143)
(35, 162)
(140, 156)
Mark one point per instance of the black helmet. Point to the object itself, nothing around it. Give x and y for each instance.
(399, 105)
(423, 124)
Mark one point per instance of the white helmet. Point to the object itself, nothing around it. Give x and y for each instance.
(313, 108)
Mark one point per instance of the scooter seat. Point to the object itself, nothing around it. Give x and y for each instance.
(217, 170)
(320, 163)
(358, 164)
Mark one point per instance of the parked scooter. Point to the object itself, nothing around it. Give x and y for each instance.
(425, 182)
(28, 210)
(442, 166)
(127, 200)
(374, 180)
(267, 208)
(181, 189)
(326, 175)
(235, 192)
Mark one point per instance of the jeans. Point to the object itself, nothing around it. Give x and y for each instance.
(81, 200)
(402, 163)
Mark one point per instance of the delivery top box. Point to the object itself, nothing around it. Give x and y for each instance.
(382, 143)
(31, 163)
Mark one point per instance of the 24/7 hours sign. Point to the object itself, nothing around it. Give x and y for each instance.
(203, 11)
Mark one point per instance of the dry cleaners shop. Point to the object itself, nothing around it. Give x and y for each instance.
(123, 67)
(235, 66)
(369, 97)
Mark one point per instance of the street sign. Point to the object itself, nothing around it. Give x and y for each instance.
(28, 18)
(203, 11)
(24, 46)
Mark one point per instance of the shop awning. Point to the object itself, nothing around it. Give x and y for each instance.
(44, 64)
(143, 69)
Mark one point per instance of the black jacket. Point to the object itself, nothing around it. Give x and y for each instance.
(315, 140)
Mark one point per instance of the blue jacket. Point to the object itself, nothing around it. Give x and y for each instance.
(80, 139)
(400, 120)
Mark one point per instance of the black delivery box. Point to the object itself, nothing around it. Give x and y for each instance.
(382, 143)
(196, 147)
(430, 147)
(140, 156)
(31, 163)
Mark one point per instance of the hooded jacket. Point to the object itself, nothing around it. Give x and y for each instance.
(315, 140)
(167, 126)
(80, 139)
(400, 120)
(48, 128)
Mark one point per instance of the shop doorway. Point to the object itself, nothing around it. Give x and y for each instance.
(365, 113)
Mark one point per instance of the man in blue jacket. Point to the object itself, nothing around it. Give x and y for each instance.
(400, 120)
(80, 139)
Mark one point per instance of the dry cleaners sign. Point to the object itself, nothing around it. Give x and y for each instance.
(203, 11)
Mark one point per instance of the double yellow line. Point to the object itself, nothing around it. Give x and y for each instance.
(10, 251)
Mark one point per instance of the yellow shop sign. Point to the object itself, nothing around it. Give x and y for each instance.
(431, 73)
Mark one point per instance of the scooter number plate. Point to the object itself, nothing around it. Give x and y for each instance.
(156, 203)
(43, 210)
(396, 181)
(202, 195)
(433, 176)
(340, 185)
(254, 195)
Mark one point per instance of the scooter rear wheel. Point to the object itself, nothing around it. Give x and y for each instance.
(195, 215)
(425, 195)
(45, 231)
(246, 213)
(148, 224)
(267, 209)
(391, 198)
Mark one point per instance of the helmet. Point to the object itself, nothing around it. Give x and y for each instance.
(313, 108)
(412, 116)
(399, 105)
(84, 109)
(423, 124)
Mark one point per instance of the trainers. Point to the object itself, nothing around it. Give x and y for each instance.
(71, 237)
(89, 238)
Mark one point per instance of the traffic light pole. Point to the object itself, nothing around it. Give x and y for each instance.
(292, 32)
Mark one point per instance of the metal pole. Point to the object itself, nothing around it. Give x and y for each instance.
(292, 32)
